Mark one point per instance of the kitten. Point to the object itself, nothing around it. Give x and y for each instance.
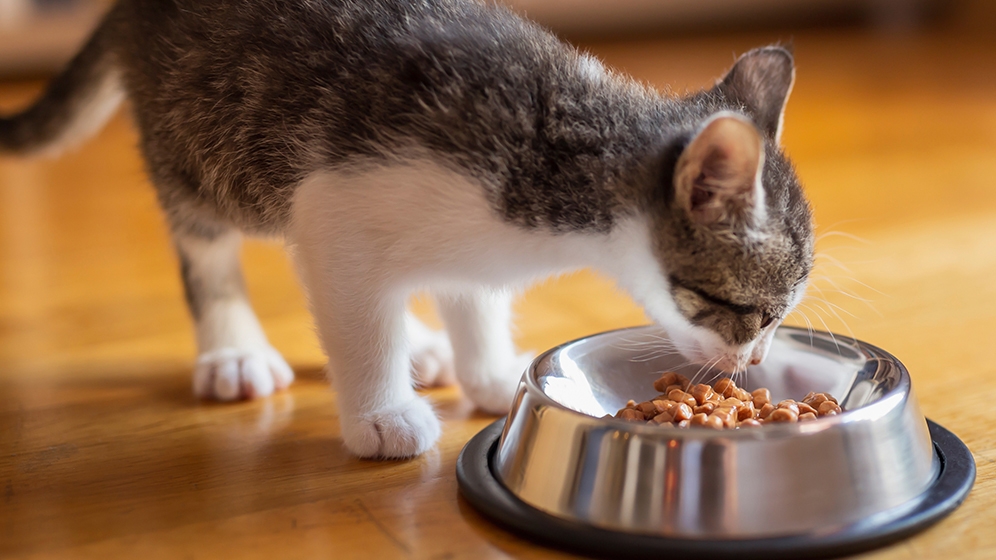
(444, 145)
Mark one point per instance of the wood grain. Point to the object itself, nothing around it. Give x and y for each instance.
(104, 453)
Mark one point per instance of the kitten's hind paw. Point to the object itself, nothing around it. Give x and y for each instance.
(493, 388)
(394, 432)
(229, 374)
(432, 360)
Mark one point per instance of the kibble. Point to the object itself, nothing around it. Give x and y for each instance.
(761, 397)
(678, 395)
(726, 415)
(669, 378)
(702, 393)
(631, 415)
(828, 408)
(706, 408)
(663, 418)
(664, 405)
(682, 412)
(714, 422)
(724, 387)
(816, 399)
(723, 405)
(765, 411)
(746, 412)
(732, 402)
(805, 409)
(789, 404)
(783, 415)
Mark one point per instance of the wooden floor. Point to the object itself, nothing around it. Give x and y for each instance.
(104, 453)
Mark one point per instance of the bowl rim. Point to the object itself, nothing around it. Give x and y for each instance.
(895, 397)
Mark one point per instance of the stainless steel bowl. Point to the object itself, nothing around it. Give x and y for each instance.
(559, 455)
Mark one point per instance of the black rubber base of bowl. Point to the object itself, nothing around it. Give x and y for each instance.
(485, 493)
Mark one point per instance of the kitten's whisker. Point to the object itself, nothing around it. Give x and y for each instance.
(809, 324)
(648, 357)
(839, 290)
(712, 369)
(825, 326)
(707, 366)
(832, 231)
(823, 299)
(824, 254)
(868, 287)
(631, 343)
(856, 281)
(650, 342)
(694, 379)
(835, 314)
(821, 256)
(652, 348)
(835, 286)
(716, 376)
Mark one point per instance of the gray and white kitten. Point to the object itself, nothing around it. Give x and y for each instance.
(445, 145)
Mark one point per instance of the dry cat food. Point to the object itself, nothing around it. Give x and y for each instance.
(722, 405)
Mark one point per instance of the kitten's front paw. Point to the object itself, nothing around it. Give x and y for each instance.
(432, 360)
(395, 432)
(493, 390)
(228, 374)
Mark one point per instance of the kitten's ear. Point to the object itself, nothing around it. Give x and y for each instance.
(762, 80)
(718, 175)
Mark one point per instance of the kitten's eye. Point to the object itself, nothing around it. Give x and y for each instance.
(766, 320)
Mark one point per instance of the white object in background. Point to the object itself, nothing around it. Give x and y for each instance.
(40, 36)
(13, 13)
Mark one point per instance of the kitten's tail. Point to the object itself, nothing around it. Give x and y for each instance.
(75, 105)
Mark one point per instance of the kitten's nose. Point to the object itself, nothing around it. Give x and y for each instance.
(759, 352)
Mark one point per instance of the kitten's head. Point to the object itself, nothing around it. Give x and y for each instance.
(732, 229)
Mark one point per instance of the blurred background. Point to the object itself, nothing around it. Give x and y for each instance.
(37, 36)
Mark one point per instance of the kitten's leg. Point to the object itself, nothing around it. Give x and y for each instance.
(235, 359)
(487, 364)
(361, 322)
(431, 354)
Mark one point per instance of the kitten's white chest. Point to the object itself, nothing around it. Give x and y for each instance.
(420, 223)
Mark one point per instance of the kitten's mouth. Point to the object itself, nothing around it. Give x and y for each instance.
(707, 349)
(732, 364)
(738, 362)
